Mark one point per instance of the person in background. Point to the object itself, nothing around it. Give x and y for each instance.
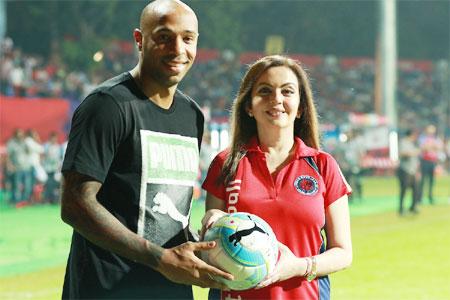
(51, 162)
(408, 171)
(207, 154)
(431, 147)
(354, 153)
(38, 174)
(275, 170)
(129, 170)
(19, 168)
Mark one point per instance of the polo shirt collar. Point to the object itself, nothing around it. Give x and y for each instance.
(301, 149)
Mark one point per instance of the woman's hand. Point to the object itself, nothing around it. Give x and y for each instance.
(208, 220)
(288, 266)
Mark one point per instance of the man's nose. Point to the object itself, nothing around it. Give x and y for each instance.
(178, 46)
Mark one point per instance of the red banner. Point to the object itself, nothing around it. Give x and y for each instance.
(42, 114)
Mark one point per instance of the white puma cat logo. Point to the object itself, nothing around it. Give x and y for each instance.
(164, 205)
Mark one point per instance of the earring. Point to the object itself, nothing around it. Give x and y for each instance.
(250, 114)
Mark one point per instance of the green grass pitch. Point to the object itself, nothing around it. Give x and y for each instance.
(394, 257)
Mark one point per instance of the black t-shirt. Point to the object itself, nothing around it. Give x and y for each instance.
(146, 158)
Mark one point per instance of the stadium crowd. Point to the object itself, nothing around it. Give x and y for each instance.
(340, 87)
(30, 169)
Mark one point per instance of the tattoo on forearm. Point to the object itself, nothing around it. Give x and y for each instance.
(77, 184)
(155, 256)
(96, 223)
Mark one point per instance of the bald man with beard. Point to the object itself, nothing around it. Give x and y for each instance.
(129, 171)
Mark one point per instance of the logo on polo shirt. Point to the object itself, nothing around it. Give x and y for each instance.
(234, 188)
(306, 185)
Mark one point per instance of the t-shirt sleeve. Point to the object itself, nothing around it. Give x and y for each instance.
(335, 183)
(210, 184)
(95, 135)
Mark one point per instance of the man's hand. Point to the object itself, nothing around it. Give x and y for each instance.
(181, 265)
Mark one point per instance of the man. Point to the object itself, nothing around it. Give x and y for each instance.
(408, 170)
(19, 168)
(431, 146)
(129, 171)
(52, 164)
(354, 150)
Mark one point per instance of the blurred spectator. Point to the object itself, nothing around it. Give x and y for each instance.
(207, 154)
(38, 174)
(17, 79)
(6, 65)
(408, 170)
(221, 109)
(19, 168)
(52, 159)
(431, 148)
(353, 154)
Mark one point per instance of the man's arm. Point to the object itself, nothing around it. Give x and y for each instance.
(81, 210)
(406, 151)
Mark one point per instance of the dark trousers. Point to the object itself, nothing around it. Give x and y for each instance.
(408, 181)
(51, 189)
(214, 294)
(21, 186)
(427, 169)
(353, 178)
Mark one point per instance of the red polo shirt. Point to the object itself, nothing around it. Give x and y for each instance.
(293, 204)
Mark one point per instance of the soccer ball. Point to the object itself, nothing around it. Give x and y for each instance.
(246, 248)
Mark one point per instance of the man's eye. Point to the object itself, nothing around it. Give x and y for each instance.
(189, 39)
(163, 38)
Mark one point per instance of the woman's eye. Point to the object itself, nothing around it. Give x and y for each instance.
(264, 91)
(288, 92)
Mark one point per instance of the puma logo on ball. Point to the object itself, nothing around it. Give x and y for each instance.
(237, 236)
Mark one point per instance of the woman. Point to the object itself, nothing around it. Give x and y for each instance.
(275, 169)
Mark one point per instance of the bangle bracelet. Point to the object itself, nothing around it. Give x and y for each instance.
(308, 267)
(313, 272)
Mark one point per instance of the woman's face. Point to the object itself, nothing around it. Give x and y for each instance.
(275, 98)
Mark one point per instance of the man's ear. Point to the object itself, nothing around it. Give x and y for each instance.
(137, 34)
